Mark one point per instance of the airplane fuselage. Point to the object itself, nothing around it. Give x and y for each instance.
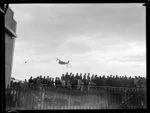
(61, 62)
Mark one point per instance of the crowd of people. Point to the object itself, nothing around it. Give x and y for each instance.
(79, 80)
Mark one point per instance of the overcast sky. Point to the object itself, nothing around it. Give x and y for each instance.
(96, 38)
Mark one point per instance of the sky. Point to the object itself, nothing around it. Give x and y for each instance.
(96, 38)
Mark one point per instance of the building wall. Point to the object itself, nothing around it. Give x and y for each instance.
(9, 50)
(9, 20)
(10, 34)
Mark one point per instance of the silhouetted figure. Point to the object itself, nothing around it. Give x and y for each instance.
(30, 82)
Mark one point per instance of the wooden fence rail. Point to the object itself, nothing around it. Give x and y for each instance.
(101, 97)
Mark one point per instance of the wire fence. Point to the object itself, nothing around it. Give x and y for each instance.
(63, 97)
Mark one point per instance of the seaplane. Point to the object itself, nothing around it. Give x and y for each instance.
(62, 62)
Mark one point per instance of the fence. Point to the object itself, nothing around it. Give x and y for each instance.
(97, 97)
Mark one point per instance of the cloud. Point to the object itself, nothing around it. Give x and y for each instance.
(136, 58)
(77, 45)
(80, 19)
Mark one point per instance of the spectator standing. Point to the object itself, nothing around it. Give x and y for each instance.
(88, 77)
(52, 82)
(25, 84)
(48, 81)
(63, 77)
(104, 80)
(80, 76)
(30, 82)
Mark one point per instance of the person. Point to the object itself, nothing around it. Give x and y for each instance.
(125, 81)
(47, 78)
(82, 86)
(63, 77)
(11, 84)
(84, 80)
(56, 82)
(73, 82)
(120, 81)
(132, 82)
(143, 82)
(116, 79)
(136, 82)
(129, 82)
(68, 84)
(92, 78)
(25, 84)
(52, 82)
(44, 82)
(111, 81)
(34, 82)
(103, 80)
(76, 76)
(37, 80)
(63, 83)
(84, 77)
(88, 77)
(96, 81)
(67, 76)
(90, 84)
(30, 82)
(59, 82)
(78, 84)
(80, 76)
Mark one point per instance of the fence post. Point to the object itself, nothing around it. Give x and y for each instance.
(69, 99)
(28, 98)
(109, 98)
(18, 97)
(24, 93)
(117, 97)
(16, 94)
(43, 95)
(7, 96)
(10, 96)
(134, 98)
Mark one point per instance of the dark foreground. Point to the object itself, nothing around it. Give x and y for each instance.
(101, 97)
